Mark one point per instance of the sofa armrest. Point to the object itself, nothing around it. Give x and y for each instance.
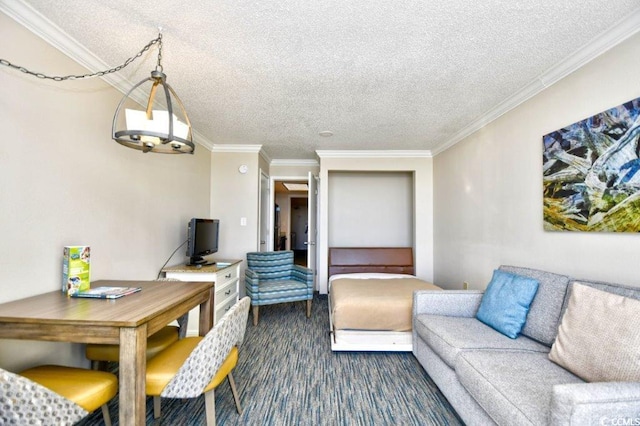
(451, 303)
(602, 403)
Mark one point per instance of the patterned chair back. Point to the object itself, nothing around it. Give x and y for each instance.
(271, 265)
(23, 401)
(207, 357)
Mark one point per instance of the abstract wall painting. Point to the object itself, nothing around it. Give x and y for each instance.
(591, 173)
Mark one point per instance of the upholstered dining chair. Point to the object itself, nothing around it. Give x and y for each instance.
(100, 354)
(197, 365)
(54, 395)
(272, 277)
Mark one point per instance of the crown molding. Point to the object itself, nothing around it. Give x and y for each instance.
(264, 156)
(294, 163)
(621, 31)
(39, 25)
(607, 40)
(373, 154)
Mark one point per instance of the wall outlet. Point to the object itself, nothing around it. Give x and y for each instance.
(465, 285)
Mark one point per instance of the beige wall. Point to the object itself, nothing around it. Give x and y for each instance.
(234, 196)
(370, 209)
(488, 188)
(419, 165)
(65, 182)
(294, 169)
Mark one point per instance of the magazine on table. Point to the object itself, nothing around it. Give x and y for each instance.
(107, 292)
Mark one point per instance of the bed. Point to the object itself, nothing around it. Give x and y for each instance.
(371, 298)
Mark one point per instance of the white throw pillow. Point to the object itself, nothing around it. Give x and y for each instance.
(599, 337)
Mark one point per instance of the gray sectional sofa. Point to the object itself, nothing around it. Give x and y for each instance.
(491, 379)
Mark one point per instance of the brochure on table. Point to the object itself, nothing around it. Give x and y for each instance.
(106, 292)
(76, 269)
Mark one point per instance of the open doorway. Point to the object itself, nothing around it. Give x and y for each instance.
(290, 226)
(299, 229)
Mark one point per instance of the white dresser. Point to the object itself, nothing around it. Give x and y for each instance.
(226, 290)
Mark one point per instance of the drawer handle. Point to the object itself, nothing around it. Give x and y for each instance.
(228, 307)
(228, 292)
(228, 275)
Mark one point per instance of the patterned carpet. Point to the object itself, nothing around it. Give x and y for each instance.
(287, 375)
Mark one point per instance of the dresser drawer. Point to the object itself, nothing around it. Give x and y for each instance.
(225, 290)
(225, 306)
(224, 276)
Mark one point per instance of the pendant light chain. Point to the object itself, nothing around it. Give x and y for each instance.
(157, 40)
(159, 65)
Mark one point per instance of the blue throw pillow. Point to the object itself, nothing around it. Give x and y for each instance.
(506, 302)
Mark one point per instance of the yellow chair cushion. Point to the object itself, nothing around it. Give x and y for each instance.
(156, 343)
(164, 366)
(89, 389)
(227, 367)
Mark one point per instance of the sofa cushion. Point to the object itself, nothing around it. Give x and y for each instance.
(448, 336)
(622, 290)
(545, 310)
(512, 387)
(277, 291)
(579, 346)
(506, 301)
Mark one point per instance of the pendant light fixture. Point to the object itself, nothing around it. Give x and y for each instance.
(162, 126)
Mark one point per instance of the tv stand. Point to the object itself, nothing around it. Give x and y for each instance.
(198, 261)
(200, 265)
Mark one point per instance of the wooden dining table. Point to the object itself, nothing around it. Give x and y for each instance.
(126, 321)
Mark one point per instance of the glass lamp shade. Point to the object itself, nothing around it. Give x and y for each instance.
(161, 128)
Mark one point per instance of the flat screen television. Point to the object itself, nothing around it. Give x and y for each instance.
(202, 239)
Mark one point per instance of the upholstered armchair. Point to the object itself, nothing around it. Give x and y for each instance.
(272, 277)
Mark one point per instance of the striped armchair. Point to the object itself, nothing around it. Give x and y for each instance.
(271, 277)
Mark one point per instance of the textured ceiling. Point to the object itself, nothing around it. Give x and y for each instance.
(378, 74)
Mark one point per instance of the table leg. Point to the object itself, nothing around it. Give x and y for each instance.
(133, 366)
(206, 314)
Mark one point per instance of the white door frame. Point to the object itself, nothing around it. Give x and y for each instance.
(265, 215)
(312, 226)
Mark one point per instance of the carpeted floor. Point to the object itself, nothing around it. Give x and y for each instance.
(287, 375)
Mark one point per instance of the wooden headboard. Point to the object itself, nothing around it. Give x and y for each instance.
(392, 260)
